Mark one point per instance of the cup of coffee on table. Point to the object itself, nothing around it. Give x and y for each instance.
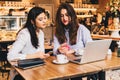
(61, 58)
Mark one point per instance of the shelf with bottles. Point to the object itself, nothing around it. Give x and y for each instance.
(15, 4)
(85, 9)
(19, 8)
(85, 12)
(84, 16)
(16, 10)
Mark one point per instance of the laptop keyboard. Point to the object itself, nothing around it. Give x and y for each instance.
(77, 60)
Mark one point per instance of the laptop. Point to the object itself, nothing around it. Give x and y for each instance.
(94, 51)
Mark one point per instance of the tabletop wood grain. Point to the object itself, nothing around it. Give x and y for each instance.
(96, 36)
(56, 71)
(51, 71)
(111, 62)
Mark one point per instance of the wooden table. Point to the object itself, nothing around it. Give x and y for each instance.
(7, 38)
(57, 71)
(112, 62)
(5, 43)
(48, 46)
(97, 36)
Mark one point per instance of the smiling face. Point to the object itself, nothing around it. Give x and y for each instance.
(41, 20)
(65, 18)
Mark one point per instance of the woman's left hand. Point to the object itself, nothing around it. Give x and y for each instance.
(63, 48)
(46, 55)
(70, 51)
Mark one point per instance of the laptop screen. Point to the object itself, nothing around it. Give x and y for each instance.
(94, 51)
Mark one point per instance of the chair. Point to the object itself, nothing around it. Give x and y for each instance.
(92, 77)
(5, 66)
(5, 71)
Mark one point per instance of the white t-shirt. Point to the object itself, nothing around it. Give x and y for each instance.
(23, 45)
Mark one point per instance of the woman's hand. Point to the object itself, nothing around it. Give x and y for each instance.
(70, 51)
(42, 55)
(64, 48)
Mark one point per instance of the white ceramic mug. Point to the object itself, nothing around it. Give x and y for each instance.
(109, 51)
(61, 58)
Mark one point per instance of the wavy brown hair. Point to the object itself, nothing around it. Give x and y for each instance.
(60, 27)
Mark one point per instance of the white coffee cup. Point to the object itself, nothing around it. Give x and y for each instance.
(109, 51)
(61, 58)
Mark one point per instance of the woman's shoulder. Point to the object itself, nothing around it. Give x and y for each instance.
(81, 26)
(24, 31)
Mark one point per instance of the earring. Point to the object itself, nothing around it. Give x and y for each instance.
(33, 26)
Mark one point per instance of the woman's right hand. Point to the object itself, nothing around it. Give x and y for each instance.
(63, 48)
(42, 55)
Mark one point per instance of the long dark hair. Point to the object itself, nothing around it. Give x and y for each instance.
(73, 24)
(32, 15)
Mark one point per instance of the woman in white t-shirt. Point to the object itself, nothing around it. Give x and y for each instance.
(30, 39)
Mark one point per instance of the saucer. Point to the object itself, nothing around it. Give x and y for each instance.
(56, 62)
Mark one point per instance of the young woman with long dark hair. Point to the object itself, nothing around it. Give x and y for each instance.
(30, 39)
(70, 36)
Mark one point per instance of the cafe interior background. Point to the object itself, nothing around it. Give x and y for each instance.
(86, 10)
